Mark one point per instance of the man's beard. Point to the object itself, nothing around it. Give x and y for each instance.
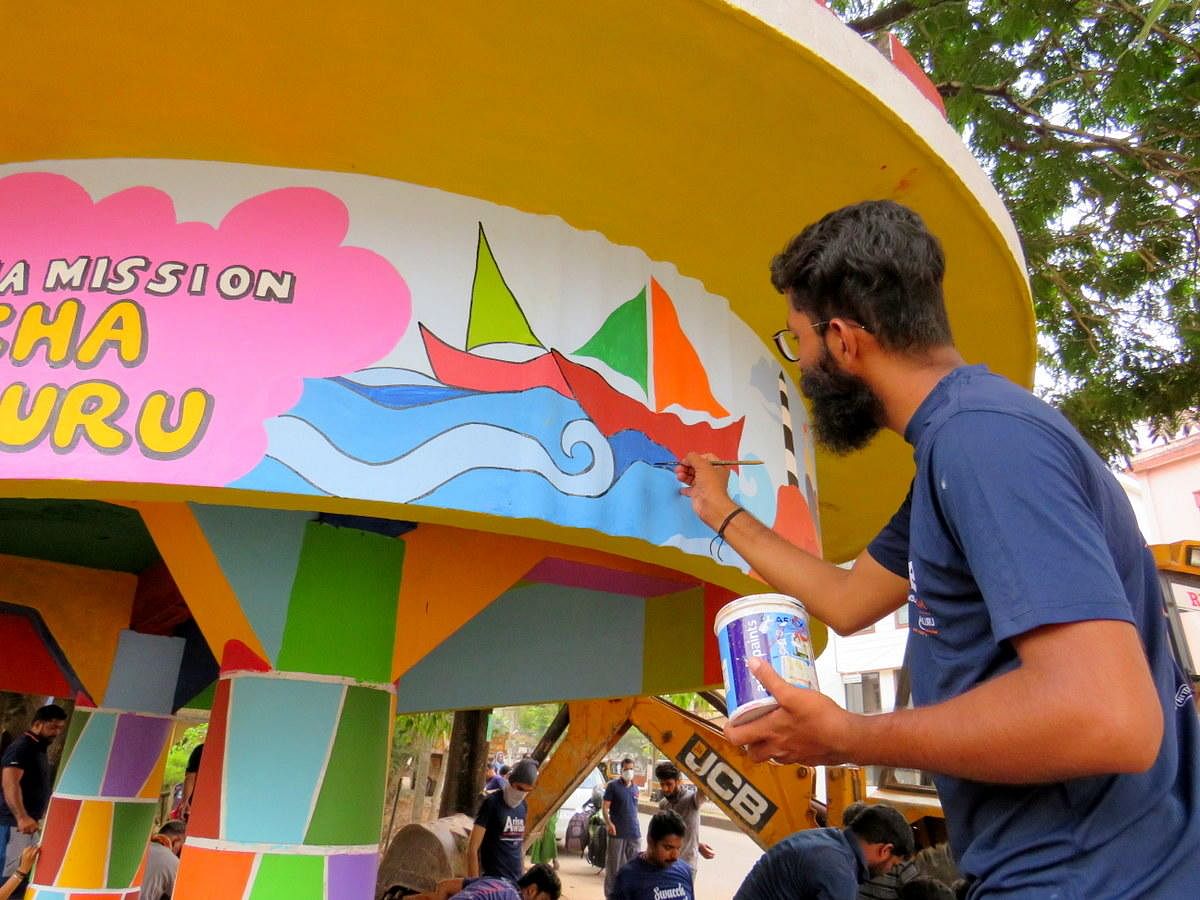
(846, 413)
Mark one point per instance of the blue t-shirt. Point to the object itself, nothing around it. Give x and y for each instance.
(821, 864)
(1013, 523)
(641, 880)
(503, 831)
(487, 889)
(623, 811)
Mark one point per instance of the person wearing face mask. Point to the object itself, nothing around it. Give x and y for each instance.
(620, 817)
(494, 848)
(685, 802)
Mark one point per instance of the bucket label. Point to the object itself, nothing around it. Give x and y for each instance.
(780, 638)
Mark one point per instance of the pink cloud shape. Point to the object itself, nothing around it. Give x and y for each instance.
(347, 309)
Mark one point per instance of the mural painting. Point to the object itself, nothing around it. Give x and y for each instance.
(271, 348)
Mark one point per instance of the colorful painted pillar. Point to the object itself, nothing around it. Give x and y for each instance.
(106, 798)
(289, 798)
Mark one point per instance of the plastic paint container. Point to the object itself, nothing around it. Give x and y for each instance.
(773, 627)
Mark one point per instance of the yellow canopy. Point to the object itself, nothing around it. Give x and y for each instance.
(704, 133)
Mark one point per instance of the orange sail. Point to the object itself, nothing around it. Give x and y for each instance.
(679, 377)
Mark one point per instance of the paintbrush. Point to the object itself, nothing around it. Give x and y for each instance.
(712, 462)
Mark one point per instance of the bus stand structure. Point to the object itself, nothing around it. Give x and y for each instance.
(345, 355)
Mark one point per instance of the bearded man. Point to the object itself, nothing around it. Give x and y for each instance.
(1061, 729)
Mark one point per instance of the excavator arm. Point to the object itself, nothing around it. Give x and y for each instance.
(766, 801)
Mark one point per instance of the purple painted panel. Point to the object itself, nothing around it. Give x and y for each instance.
(352, 876)
(136, 747)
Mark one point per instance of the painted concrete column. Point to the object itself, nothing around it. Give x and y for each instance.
(289, 797)
(104, 803)
(290, 793)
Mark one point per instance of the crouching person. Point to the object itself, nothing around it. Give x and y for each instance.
(539, 883)
(830, 863)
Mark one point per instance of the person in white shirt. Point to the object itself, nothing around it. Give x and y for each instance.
(162, 861)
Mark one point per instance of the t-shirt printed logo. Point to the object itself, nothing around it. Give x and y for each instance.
(671, 893)
(922, 619)
(514, 829)
(1183, 696)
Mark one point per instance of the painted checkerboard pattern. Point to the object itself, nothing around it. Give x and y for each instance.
(207, 873)
(290, 790)
(103, 807)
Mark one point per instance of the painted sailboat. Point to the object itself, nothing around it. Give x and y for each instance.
(642, 339)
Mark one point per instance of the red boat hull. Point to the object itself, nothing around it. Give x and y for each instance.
(611, 410)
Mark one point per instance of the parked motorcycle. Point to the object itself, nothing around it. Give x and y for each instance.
(596, 847)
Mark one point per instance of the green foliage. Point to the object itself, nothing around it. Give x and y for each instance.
(1086, 113)
(414, 735)
(181, 751)
(534, 720)
(689, 701)
(429, 727)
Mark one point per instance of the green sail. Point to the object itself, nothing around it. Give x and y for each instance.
(496, 317)
(621, 342)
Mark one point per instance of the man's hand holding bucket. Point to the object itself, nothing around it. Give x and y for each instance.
(807, 727)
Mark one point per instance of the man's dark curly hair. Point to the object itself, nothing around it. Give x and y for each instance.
(874, 263)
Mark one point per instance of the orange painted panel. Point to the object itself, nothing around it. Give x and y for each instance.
(450, 575)
(208, 874)
(58, 591)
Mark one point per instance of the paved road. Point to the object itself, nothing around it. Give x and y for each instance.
(719, 878)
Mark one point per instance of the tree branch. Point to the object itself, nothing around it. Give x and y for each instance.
(889, 15)
(1134, 12)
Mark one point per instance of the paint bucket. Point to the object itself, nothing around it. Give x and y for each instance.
(773, 627)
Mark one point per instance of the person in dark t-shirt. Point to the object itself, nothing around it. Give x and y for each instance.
(498, 780)
(190, 774)
(1046, 693)
(658, 873)
(494, 847)
(25, 781)
(830, 863)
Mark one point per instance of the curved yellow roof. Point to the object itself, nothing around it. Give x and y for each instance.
(704, 133)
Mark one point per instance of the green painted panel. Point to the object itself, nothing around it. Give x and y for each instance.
(342, 615)
(289, 878)
(131, 827)
(351, 798)
(673, 660)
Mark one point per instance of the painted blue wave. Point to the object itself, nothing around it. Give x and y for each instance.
(417, 471)
(402, 396)
(394, 435)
